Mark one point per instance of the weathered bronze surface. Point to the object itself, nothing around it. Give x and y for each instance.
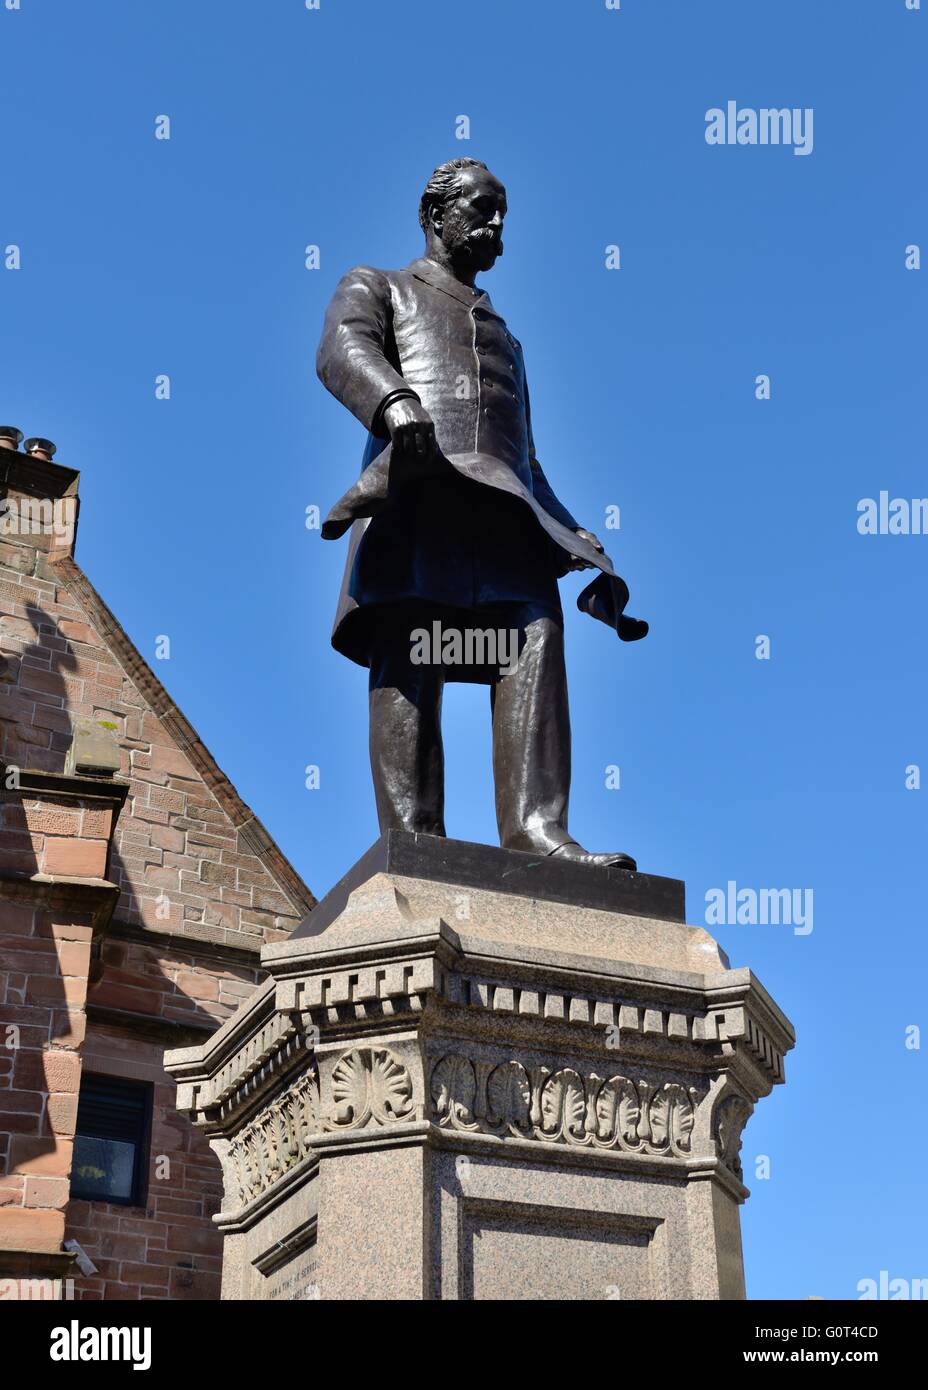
(455, 529)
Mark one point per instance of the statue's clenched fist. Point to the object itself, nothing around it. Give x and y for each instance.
(412, 430)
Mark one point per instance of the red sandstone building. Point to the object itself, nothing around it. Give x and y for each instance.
(136, 891)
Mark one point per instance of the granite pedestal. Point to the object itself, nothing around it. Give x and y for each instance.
(479, 1074)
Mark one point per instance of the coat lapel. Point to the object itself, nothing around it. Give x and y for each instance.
(443, 280)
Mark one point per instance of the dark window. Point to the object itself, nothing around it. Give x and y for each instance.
(111, 1144)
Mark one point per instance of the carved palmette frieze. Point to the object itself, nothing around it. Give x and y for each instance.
(369, 1085)
(275, 1140)
(738, 1027)
(563, 1106)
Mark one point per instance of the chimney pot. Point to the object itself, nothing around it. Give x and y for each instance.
(10, 437)
(41, 449)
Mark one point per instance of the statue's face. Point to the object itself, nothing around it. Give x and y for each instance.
(472, 223)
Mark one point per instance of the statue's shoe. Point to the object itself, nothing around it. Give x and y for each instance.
(576, 854)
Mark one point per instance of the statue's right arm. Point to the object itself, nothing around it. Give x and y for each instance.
(352, 361)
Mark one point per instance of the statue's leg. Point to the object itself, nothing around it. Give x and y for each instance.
(407, 757)
(531, 741)
(531, 750)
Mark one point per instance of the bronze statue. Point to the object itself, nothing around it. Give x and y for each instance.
(455, 528)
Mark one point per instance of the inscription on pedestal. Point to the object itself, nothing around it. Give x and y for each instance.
(297, 1281)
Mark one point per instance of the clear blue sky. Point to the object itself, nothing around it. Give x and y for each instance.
(185, 257)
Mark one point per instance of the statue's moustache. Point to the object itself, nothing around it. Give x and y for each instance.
(482, 235)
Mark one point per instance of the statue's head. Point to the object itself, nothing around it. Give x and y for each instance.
(463, 206)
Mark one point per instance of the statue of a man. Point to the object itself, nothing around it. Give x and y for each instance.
(455, 528)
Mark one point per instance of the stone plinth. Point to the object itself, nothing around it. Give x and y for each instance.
(480, 1074)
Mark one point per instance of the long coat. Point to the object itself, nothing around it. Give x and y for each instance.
(419, 331)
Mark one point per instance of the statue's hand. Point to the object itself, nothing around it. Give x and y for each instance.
(412, 430)
(594, 541)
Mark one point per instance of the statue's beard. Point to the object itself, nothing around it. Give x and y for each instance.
(480, 248)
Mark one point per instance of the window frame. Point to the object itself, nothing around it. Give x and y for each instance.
(144, 1093)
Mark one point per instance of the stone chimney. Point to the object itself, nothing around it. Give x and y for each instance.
(38, 499)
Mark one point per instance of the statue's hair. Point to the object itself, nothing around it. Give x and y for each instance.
(444, 184)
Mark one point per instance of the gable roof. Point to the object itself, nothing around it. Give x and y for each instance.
(190, 856)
